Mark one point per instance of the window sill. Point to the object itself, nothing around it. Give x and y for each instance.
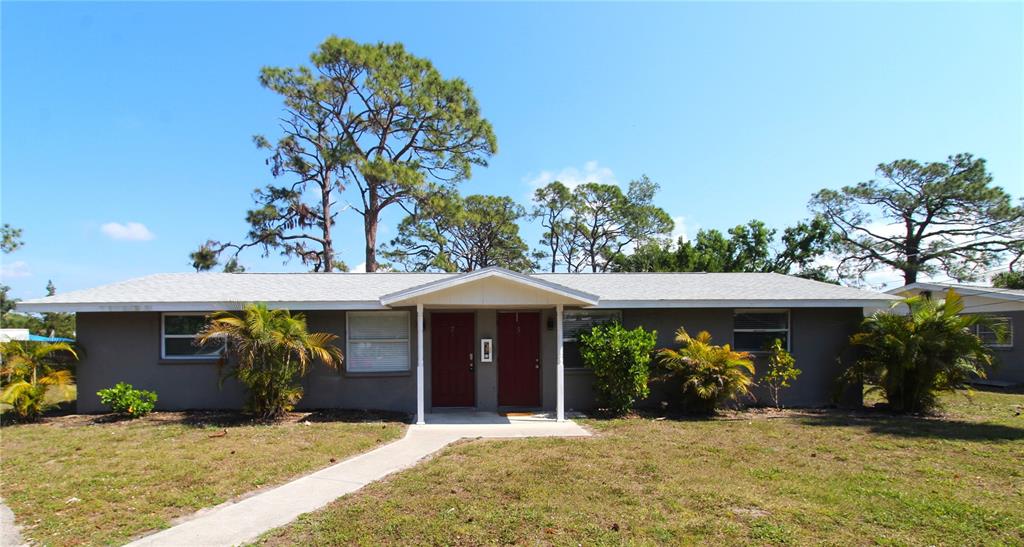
(188, 361)
(355, 375)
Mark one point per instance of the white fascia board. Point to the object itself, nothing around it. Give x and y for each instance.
(64, 307)
(651, 304)
(440, 285)
(963, 290)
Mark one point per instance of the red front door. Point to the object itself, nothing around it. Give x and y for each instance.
(518, 355)
(451, 359)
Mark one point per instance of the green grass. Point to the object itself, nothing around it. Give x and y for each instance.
(75, 480)
(756, 478)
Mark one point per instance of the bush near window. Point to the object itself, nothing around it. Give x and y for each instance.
(711, 375)
(29, 369)
(913, 356)
(128, 401)
(270, 351)
(781, 370)
(621, 360)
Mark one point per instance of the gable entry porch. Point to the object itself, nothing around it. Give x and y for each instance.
(490, 340)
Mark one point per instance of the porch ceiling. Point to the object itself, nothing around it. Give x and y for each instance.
(490, 287)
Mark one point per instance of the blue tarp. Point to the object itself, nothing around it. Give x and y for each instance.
(37, 338)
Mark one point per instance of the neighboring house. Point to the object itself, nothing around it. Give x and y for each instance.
(490, 339)
(1004, 305)
(7, 335)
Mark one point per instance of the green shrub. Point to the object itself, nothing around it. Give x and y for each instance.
(620, 360)
(710, 375)
(781, 369)
(913, 356)
(126, 400)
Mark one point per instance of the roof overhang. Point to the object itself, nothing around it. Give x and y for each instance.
(748, 303)
(65, 307)
(963, 290)
(490, 286)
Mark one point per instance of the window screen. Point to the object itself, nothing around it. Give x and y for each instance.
(990, 336)
(576, 321)
(756, 330)
(178, 336)
(378, 341)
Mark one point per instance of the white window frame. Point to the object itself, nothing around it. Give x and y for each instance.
(788, 330)
(407, 339)
(566, 313)
(164, 336)
(1008, 344)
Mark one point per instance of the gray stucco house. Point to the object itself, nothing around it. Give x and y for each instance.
(490, 339)
(1005, 306)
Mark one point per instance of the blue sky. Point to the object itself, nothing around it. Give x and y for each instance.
(143, 113)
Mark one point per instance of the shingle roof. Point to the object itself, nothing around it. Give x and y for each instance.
(202, 291)
(708, 286)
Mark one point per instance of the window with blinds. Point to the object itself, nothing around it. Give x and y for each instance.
(377, 342)
(989, 335)
(576, 321)
(755, 330)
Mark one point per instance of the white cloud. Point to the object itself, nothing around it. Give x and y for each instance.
(359, 268)
(18, 268)
(129, 231)
(573, 177)
(680, 229)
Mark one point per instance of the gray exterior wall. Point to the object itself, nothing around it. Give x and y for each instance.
(126, 347)
(1010, 361)
(817, 337)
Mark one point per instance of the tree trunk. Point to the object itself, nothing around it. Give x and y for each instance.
(370, 222)
(328, 251)
(912, 255)
(912, 263)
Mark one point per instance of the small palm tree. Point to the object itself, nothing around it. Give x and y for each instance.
(269, 350)
(29, 370)
(912, 357)
(711, 375)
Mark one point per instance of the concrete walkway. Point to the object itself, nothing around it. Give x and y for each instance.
(9, 533)
(242, 521)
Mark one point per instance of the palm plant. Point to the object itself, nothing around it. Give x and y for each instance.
(29, 370)
(912, 357)
(269, 350)
(711, 375)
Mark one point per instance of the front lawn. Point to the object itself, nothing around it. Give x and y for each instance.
(757, 477)
(76, 480)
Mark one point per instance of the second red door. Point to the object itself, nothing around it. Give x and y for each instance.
(519, 359)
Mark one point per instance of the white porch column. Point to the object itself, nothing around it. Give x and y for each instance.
(560, 374)
(419, 364)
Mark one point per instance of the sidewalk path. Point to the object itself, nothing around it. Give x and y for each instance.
(242, 521)
(9, 534)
